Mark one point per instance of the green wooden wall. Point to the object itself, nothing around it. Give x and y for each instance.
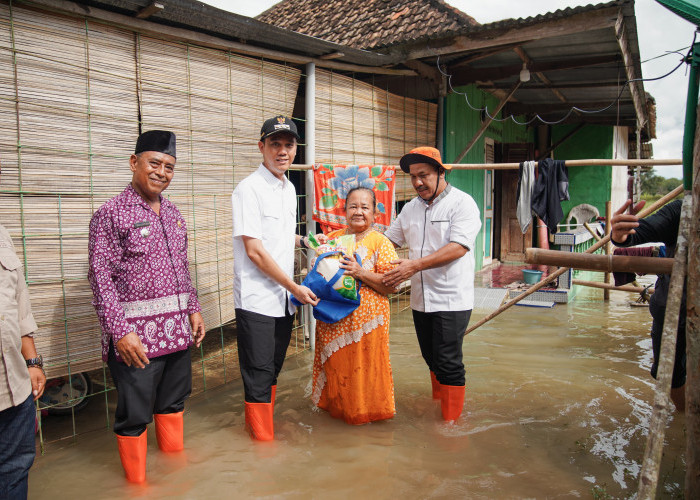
(592, 185)
(460, 125)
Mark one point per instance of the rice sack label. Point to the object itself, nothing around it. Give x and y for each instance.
(329, 266)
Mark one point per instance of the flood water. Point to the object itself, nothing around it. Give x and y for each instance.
(558, 403)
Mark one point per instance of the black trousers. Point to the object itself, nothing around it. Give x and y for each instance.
(262, 347)
(161, 387)
(440, 336)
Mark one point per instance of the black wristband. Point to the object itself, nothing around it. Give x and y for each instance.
(302, 243)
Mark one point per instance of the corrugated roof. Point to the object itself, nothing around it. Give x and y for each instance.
(367, 24)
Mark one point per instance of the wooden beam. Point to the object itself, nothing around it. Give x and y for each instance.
(332, 55)
(530, 64)
(149, 10)
(464, 75)
(522, 108)
(692, 338)
(185, 35)
(629, 62)
(481, 55)
(425, 70)
(651, 463)
(518, 33)
(577, 85)
(486, 123)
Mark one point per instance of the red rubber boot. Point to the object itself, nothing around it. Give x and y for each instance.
(452, 397)
(258, 421)
(132, 451)
(169, 431)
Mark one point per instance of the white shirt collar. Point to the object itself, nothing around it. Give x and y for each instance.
(270, 177)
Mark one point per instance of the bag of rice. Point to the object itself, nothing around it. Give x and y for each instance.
(329, 266)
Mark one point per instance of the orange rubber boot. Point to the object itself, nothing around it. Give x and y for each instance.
(272, 398)
(258, 421)
(169, 431)
(436, 386)
(452, 398)
(132, 451)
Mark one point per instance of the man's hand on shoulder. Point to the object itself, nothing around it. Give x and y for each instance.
(132, 351)
(405, 268)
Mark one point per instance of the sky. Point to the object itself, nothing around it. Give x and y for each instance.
(659, 31)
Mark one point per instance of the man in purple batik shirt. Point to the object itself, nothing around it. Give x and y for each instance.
(146, 303)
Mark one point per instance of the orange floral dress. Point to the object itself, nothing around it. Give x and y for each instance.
(352, 373)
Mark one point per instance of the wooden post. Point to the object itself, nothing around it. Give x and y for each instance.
(692, 339)
(649, 477)
(608, 216)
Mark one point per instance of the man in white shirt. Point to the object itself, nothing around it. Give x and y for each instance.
(439, 227)
(264, 223)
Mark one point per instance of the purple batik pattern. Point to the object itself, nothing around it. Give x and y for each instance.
(139, 274)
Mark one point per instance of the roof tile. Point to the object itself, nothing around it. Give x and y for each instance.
(366, 24)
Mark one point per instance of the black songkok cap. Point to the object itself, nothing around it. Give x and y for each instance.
(161, 141)
(278, 124)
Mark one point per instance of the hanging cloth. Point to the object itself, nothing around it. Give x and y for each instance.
(551, 188)
(526, 181)
(331, 186)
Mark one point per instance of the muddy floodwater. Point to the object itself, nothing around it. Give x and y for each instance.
(558, 403)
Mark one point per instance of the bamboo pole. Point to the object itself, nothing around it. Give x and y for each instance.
(595, 162)
(606, 263)
(608, 286)
(648, 479)
(608, 217)
(692, 346)
(590, 230)
(548, 279)
(631, 162)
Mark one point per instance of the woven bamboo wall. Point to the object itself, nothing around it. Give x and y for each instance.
(71, 93)
(358, 123)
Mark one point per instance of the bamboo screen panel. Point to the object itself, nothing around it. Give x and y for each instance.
(358, 123)
(71, 94)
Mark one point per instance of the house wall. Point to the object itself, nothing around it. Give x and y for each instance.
(592, 184)
(460, 125)
(619, 173)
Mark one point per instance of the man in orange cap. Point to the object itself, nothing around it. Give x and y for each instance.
(439, 227)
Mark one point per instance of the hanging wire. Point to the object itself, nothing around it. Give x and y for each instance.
(573, 108)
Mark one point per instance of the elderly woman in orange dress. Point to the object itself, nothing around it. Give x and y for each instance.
(352, 373)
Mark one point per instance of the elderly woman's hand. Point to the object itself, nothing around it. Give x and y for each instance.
(351, 266)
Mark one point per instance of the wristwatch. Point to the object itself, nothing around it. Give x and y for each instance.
(37, 362)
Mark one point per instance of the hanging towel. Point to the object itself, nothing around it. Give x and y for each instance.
(526, 181)
(551, 188)
(622, 278)
(331, 186)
